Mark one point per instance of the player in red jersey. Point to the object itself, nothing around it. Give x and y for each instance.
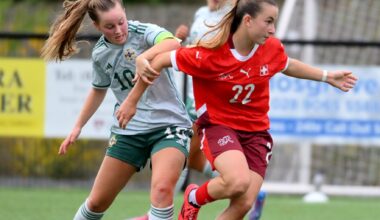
(231, 74)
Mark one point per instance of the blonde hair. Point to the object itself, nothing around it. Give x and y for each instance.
(61, 42)
(231, 21)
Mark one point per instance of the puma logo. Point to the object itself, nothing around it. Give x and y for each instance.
(245, 72)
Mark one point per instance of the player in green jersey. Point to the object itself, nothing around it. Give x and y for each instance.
(160, 129)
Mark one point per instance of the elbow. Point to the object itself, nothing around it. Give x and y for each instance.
(175, 44)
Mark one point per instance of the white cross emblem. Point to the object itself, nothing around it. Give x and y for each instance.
(264, 70)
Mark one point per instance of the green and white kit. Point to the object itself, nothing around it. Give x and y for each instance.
(114, 68)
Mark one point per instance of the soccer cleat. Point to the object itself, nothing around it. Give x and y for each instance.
(144, 217)
(189, 211)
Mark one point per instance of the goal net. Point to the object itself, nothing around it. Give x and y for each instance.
(327, 133)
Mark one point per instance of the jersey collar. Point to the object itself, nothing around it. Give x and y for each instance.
(236, 54)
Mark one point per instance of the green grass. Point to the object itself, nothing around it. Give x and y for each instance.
(61, 204)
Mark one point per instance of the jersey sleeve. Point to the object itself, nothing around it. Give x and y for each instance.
(100, 79)
(154, 34)
(279, 57)
(190, 60)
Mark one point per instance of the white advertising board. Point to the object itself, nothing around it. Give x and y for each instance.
(301, 110)
(67, 86)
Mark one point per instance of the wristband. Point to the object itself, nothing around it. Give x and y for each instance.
(324, 76)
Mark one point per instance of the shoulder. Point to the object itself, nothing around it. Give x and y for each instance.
(273, 42)
(202, 12)
(100, 48)
(137, 27)
(141, 28)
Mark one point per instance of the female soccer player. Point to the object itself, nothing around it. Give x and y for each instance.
(161, 127)
(204, 18)
(231, 74)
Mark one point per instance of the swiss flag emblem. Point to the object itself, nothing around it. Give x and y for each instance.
(264, 70)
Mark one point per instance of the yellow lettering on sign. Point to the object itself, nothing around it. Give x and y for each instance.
(22, 97)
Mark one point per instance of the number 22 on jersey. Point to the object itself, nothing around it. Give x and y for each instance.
(242, 91)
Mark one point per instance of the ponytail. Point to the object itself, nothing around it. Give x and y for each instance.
(231, 21)
(61, 42)
(222, 31)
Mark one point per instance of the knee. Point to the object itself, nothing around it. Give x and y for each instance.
(237, 186)
(95, 205)
(161, 191)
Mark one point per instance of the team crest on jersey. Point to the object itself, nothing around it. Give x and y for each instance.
(264, 70)
(130, 54)
(112, 141)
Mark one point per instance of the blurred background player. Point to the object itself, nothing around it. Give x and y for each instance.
(161, 127)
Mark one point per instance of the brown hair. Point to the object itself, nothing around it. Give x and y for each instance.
(231, 21)
(61, 42)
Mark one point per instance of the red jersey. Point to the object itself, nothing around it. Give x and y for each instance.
(233, 89)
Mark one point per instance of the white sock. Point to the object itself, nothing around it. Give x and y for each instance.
(207, 171)
(161, 213)
(192, 198)
(84, 213)
(181, 180)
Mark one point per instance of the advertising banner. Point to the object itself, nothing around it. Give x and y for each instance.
(68, 84)
(22, 97)
(303, 109)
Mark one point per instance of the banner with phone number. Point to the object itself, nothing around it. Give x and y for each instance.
(314, 111)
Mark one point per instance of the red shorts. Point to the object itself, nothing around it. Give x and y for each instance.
(256, 146)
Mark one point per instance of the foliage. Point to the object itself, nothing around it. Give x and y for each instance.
(37, 157)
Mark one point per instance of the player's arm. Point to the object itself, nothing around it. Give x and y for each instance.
(92, 103)
(164, 42)
(341, 79)
(147, 73)
(128, 108)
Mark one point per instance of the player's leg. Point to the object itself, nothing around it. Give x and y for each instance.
(222, 148)
(168, 159)
(125, 155)
(229, 184)
(197, 160)
(257, 209)
(240, 206)
(258, 148)
(111, 178)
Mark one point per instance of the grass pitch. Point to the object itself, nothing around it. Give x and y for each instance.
(61, 204)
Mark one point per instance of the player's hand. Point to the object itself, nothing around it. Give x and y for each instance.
(145, 71)
(125, 113)
(343, 80)
(182, 32)
(70, 139)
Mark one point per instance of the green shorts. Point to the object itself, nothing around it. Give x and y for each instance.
(137, 149)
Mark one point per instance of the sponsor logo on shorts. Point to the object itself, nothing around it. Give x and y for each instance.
(225, 140)
(112, 141)
(181, 142)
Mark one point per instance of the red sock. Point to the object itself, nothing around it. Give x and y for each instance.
(202, 196)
